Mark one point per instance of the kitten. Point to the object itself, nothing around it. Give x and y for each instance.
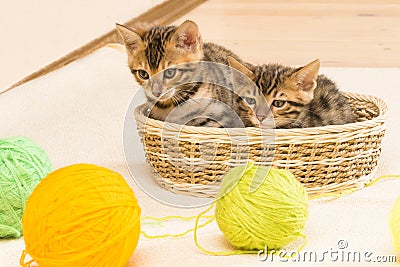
(297, 97)
(164, 60)
(252, 103)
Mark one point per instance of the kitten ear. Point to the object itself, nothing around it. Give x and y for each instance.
(306, 77)
(187, 37)
(131, 38)
(240, 67)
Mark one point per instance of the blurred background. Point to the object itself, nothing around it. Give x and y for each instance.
(342, 33)
(35, 33)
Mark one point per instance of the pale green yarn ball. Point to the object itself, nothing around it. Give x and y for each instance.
(261, 207)
(22, 165)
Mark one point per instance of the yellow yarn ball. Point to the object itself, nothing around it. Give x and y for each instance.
(394, 220)
(261, 206)
(81, 215)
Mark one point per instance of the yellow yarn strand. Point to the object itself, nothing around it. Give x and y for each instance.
(216, 253)
(144, 219)
(168, 218)
(334, 195)
(395, 223)
(232, 252)
(287, 210)
(350, 191)
(386, 176)
(22, 260)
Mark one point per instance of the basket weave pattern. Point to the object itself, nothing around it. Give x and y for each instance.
(192, 160)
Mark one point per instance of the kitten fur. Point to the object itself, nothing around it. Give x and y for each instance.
(169, 51)
(297, 97)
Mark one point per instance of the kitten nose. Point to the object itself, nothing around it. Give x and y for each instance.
(261, 118)
(156, 89)
(262, 112)
(156, 93)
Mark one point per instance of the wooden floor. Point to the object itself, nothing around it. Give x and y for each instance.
(341, 33)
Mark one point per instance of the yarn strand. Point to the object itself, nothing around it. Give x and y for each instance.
(350, 191)
(167, 218)
(22, 260)
(232, 252)
(334, 195)
(382, 177)
(216, 253)
(211, 218)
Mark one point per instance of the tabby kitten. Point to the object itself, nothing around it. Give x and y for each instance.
(164, 60)
(297, 97)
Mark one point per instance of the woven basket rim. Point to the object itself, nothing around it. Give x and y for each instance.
(284, 133)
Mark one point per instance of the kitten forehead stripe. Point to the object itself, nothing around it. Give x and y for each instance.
(156, 40)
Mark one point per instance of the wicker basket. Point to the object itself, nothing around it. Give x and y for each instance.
(192, 160)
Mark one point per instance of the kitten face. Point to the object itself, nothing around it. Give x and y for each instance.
(258, 110)
(252, 102)
(293, 90)
(154, 54)
(287, 90)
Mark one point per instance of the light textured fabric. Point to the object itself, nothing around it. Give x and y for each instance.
(76, 115)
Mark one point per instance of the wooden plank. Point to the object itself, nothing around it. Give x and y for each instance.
(293, 29)
(300, 53)
(344, 33)
(300, 9)
(164, 13)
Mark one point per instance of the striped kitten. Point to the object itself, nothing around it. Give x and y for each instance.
(164, 60)
(297, 97)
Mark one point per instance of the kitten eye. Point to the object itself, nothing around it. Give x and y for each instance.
(169, 73)
(278, 103)
(250, 100)
(143, 74)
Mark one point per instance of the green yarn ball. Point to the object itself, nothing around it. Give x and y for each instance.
(22, 165)
(261, 207)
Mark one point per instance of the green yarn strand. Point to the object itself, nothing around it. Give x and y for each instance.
(22, 165)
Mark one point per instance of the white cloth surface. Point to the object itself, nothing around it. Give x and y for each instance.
(76, 114)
